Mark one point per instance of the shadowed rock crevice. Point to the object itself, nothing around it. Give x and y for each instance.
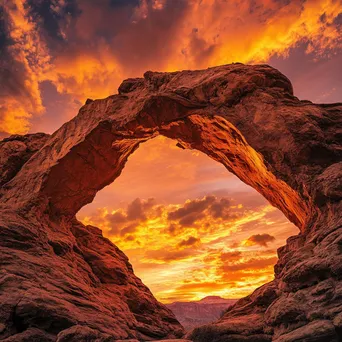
(245, 117)
(16, 151)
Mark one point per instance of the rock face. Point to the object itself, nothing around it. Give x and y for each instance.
(204, 311)
(16, 151)
(60, 280)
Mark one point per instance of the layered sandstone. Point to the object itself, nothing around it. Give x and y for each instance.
(63, 281)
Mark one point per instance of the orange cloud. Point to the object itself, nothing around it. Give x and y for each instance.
(238, 279)
(196, 254)
(259, 239)
(24, 64)
(241, 31)
(251, 264)
(95, 46)
(190, 242)
(169, 256)
(192, 211)
(14, 118)
(87, 74)
(230, 256)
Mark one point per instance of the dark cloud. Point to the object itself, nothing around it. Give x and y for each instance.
(4, 38)
(190, 219)
(338, 20)
(12, 73)
(136, 209)
(197, 209)
(93, 24)
(116, 222)
(192, 210)
(52, 17)
(250, 199)
(260, 239)
(137, 35)
(131, 228)
(149, 41)
(12, 78)
(220, 208)
(122, 3)
(123, 223)
(191, 241)
(231, 256)
(172, 229)
(119, 229)
(198, 48)
(117, 217)
(129, 238)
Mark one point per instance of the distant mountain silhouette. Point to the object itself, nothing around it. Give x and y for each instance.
(206, 310)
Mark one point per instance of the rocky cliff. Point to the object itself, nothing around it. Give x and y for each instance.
(63, 281)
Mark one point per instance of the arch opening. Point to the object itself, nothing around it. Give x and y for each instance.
(190, 228)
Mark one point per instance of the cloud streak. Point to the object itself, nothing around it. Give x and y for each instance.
(25, 60)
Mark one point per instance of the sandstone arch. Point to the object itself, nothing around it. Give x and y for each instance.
(245, 117)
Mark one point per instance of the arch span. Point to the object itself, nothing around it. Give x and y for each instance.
(245, 117)
(101, 157)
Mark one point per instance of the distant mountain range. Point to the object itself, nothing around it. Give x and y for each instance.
(206, 310)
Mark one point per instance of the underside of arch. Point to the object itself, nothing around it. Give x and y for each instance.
(100, 159)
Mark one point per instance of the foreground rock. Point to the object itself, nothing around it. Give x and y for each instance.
(62, 281)
(16, 151)
(206, 310)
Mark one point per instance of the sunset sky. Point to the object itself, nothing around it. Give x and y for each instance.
(189, 227)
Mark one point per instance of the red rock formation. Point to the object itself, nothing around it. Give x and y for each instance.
(57, 275)
(16, 151)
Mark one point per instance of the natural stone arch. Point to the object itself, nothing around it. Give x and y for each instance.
(245, 117)
(234, 114)
(106, 154)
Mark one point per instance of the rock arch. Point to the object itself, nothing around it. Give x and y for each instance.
(245, 117)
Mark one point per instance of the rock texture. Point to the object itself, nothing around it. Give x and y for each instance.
(197, 313)
(62, 281)
(16, 151)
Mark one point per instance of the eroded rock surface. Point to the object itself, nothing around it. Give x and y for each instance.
(62, 281)
(16, 151)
